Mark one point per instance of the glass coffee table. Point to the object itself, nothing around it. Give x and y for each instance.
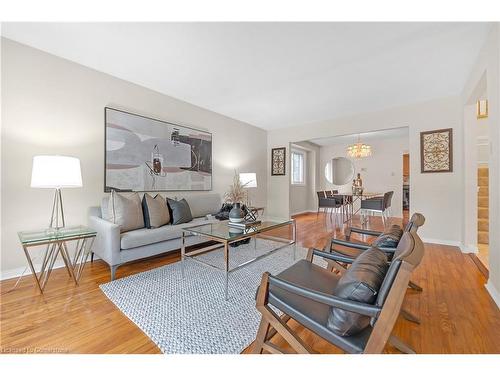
(225, 235)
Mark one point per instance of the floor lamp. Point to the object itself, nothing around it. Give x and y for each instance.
(56, 172)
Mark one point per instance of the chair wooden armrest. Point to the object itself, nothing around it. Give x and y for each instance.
(366, 232)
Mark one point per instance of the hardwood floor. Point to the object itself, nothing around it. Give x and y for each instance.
(483, 254)
(457, 313)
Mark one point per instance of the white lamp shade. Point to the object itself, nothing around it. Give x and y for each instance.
(54, 171)
(248, 180)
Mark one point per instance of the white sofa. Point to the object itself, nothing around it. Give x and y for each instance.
(117, 248)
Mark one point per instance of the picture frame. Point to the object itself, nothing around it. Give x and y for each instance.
(436, 151)
(148, 154)
(278, 161)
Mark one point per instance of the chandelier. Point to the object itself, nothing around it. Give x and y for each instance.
(359, 150)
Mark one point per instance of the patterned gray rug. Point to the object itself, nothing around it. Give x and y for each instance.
(190, 315)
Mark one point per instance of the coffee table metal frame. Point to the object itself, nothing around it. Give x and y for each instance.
(251, 233)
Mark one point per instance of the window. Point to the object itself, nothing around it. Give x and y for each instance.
(298, 168)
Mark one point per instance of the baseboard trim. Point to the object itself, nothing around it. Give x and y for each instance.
(442, 242)
(300, 213)
(480, 265)
(495, 295)
(25, 271)
(469, 249)
(16, 272)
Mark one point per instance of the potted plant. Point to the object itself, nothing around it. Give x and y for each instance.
(236, 195)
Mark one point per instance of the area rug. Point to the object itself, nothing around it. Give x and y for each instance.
(189, 314)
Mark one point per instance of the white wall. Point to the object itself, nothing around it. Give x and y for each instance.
(303, 197)
(381, 172)
(487, 67)
(53, 106)
(436, 195)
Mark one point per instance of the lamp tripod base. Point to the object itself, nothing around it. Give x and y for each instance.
(57, 217)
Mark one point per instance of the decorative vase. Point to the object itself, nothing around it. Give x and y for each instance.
(236, 215)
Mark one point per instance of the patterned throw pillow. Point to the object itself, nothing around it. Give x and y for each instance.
(126, 211)
(155, 211)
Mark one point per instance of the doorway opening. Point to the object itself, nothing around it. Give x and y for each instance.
(483, 199)
(406, 187)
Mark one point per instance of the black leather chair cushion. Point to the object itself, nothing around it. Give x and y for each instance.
(390, 237)
(311, 276)
(311, 314)
(360, 283)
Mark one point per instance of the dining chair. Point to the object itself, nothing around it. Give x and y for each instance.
(327, 202)
(380, 204)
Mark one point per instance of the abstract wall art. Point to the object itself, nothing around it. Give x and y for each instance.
(146, 154)
(436, 151)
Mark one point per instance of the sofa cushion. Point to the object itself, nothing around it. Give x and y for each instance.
(360, 283)
(204, 204)
(390, 237)
(181, 212)
(155, 211)
(126, 211)
(144, 236)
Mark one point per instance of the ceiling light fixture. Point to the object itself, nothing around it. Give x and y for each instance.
(359, 150)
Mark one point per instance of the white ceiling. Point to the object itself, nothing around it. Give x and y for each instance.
(364, 137)
(273, 75)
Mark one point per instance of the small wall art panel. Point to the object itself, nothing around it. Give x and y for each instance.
(278, 161)
(436, 151)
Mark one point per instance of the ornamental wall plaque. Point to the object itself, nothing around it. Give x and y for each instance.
(278, 161)
(436, 151)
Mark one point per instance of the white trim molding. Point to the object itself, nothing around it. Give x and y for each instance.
(443, 242)
(466, 249)
(303, 212)
(25, 271)
(495, 295)
(469, 249)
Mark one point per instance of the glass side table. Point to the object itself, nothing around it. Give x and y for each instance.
(56, 241)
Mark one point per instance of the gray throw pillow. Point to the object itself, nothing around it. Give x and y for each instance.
(155, 211)
(180, 211)
(126, 211)
(361, 282)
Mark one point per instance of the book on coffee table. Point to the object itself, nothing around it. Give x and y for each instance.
(244, 224)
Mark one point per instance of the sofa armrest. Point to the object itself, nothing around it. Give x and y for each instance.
(107, 242)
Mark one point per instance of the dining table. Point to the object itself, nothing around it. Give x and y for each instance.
(349, 198)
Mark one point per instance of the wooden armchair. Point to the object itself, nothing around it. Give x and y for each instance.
(308, 294)
(348, 248)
